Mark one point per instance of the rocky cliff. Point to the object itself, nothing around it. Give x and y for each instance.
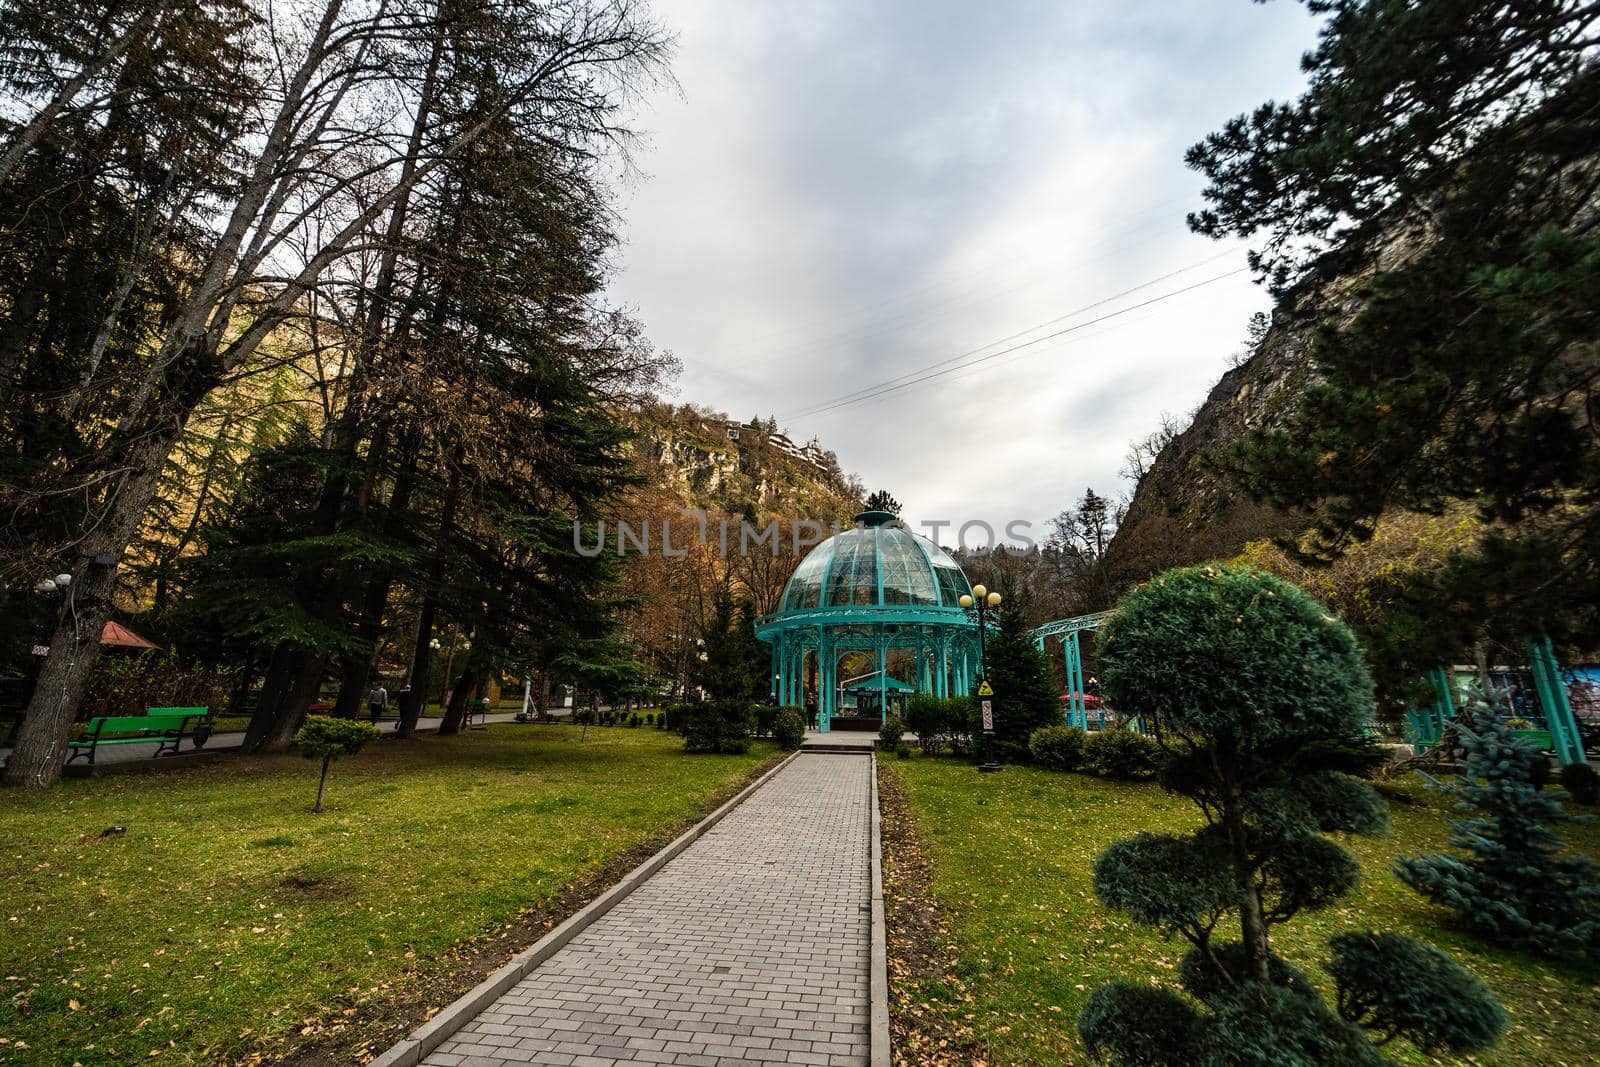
(691, 457)
(1186, 509)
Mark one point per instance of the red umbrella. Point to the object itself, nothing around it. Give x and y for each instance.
(119, 636)
(1089, 699)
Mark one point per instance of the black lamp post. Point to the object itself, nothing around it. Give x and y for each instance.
(984, 601)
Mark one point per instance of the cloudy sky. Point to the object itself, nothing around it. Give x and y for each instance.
(841, 194)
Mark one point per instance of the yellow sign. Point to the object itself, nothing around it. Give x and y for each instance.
(984, 689)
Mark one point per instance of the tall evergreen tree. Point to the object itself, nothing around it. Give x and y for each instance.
(1024, 695)
(317, 173)
(1438, 172)
(883, 500)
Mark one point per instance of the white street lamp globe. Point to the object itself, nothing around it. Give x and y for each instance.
(994, 600)
(966, 601)
(63, 580)
(979, 591)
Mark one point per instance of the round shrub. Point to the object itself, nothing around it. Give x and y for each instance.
(1307, 873)
(1274, 1026)
(1202, 979)
(1059, 748)
(676, 715)
(766, 716)
(890, 732)
(928, 717)
(789, 728)
(1582, 782)
(1122, 754)
(1324, 802)
(1138, 1026)
(1165, 880)
(1234, 652)
(1398, 987)
(719, 726)
(902, 751)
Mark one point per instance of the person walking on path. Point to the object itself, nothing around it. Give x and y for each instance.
(377, 701)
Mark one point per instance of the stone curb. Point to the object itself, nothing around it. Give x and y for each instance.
(878, 1044)
(433, 1033)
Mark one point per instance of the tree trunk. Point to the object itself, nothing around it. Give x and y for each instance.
(422, 653)
(456, 710)
(241, 691)
(354, 670)
(421, 664)
(322, 784)
(1252, 919)
(357, 667)
(308, 679)
(41, 747)
(274, 693)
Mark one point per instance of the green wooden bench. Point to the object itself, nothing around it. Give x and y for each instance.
(169, 726)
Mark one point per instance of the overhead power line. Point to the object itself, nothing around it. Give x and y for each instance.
(951, 364)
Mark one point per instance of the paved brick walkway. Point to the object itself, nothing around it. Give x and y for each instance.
(750, 947)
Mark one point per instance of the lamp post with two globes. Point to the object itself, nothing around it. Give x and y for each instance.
(984, 601)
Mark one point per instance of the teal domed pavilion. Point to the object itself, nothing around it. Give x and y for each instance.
(879, 589)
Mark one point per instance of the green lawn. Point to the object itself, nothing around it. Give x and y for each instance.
(228, 917)
(1011, 855)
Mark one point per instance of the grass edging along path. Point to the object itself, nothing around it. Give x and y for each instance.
(921, 952)
(228, 924)
(1008, 857)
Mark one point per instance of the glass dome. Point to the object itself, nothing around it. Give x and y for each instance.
(877, 564)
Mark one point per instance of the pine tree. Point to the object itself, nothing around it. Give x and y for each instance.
(883, 500)
(1519, 886)
(1436, 178)
(1024, 694)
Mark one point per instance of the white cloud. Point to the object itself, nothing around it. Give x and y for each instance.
(847, 192)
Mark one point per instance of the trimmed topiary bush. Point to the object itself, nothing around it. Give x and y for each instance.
(1266, 1025)
(1203, 973)
(675, 715)
(719, 726)
(766, 715)
(928, 717)
(1398, 987)
(1259, 699)
(1058, 748)
(890, 732)
(1139, 1026)
(328, 739)
(789, 728)
(1120, 753)
(902, 751)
